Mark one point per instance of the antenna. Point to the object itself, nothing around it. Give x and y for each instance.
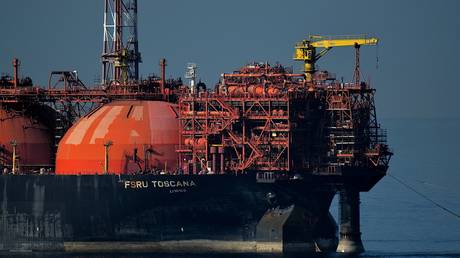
(120, 54)
(191, 74)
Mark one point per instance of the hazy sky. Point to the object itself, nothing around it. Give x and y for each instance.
(415, 75)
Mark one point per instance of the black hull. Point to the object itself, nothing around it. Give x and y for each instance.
(170, 213)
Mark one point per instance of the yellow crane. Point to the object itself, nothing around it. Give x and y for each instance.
(306, 50)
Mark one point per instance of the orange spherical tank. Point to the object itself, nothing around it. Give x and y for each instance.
(143, 136)
(32, 129)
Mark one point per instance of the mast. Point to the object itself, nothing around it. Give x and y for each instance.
(120, 54)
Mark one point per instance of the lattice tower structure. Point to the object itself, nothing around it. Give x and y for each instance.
(120, 54)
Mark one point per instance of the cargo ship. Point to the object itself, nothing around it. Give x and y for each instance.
(159, 165)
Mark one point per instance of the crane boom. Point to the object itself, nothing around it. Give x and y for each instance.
(306, 49)
(328, 43)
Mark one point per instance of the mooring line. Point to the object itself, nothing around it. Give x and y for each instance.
(424, 196)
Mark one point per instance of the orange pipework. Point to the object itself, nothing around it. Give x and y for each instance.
(273, 91)
(256, 90)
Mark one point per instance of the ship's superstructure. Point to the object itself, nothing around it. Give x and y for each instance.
(264, 118)
(156, 165)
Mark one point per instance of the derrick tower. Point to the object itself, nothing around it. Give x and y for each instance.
(120, 54)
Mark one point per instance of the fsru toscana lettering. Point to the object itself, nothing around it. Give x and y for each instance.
(159, 184)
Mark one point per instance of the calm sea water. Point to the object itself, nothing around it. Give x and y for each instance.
(395, 221)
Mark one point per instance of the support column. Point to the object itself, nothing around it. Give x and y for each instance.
(220, 150)
(16, 73)
(106, 156)
(163, 75)
(213, 151)
(350, 234)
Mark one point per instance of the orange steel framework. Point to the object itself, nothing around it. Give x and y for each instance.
(71, 99)
(260, 118)
(64, 86)
(264, 118)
